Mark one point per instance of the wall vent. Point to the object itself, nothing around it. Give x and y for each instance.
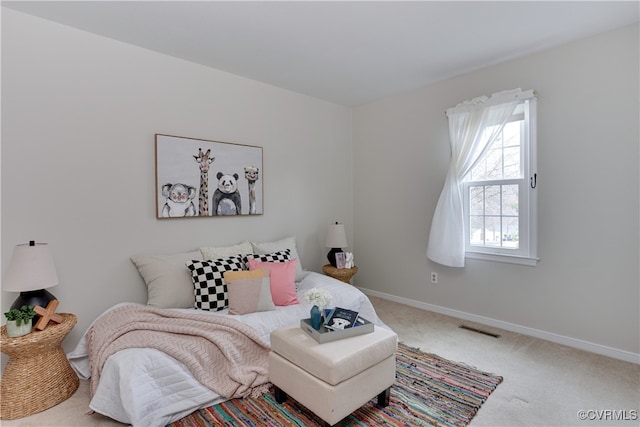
(479, 331)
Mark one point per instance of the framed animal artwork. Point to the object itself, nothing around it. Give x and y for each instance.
(199, 177)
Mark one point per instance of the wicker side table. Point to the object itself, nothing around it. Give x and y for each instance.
(342, 274)
(38, 375)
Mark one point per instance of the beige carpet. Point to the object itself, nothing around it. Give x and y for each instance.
(545, 384)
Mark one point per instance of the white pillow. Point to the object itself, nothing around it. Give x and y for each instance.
(243, 248)
(281, 245)
(167, 278)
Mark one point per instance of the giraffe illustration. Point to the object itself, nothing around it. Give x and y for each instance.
(204, 161)
(251, 174)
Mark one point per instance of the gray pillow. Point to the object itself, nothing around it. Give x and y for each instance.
(167, 278)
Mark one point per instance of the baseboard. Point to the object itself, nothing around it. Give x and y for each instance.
(615, 353)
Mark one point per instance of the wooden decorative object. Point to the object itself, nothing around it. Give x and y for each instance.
(47, 314)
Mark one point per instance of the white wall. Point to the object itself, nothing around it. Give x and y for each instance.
(79, 114)
(586, 285)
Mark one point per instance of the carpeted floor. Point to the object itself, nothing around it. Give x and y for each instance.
(429, 391)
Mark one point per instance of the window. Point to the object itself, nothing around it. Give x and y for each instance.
(487, 208)
(499, 192)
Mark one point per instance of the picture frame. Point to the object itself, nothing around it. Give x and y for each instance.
(203, 178)
(341, 260)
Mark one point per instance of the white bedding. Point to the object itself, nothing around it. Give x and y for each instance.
(146, 387)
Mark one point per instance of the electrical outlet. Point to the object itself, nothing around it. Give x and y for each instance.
(434, 277)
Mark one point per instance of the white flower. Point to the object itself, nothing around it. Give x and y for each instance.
(318, 297)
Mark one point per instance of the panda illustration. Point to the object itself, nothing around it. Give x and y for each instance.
(226, 198)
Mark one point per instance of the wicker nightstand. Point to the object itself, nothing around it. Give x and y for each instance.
(342, 274)
(38, 375)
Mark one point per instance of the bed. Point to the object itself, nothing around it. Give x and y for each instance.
(146, 386)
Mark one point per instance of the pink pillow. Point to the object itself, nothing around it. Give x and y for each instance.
(283, 286)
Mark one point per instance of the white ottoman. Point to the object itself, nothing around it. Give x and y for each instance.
(335, 378)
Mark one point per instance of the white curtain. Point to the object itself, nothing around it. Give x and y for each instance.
(469, 123)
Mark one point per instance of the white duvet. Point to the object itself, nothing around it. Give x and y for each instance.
(147, 388)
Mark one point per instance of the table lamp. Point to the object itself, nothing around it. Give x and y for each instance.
(30, 272)
(336, 240)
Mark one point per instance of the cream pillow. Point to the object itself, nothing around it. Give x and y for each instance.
(209, 252)
(280, 245)
(167, 278)
(249, 291)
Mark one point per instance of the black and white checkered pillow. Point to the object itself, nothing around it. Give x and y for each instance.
(209, 286)
(280, 256)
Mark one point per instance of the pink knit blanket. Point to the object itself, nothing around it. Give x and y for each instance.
(225, 355)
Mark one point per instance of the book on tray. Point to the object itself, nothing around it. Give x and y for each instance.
(341, 318)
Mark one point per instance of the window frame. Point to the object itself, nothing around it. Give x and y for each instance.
(526, 254)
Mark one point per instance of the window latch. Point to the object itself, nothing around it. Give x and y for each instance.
(534, 180)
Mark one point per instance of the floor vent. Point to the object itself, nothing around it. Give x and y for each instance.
(479, 331)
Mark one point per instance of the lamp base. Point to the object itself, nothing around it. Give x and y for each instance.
(331, 256)
(40, 297)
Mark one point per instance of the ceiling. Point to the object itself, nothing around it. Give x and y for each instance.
(349, 53)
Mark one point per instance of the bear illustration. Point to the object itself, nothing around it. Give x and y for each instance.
(179, 200)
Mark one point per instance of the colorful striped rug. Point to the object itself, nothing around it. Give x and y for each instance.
(429, 391)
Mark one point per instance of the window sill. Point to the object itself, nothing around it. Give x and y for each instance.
(510, 259)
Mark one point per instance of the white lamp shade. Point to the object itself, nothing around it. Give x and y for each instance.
(337, 238)
(31, 268)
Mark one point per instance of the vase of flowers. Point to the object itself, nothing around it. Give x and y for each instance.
(316, 317)
(320, 300)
